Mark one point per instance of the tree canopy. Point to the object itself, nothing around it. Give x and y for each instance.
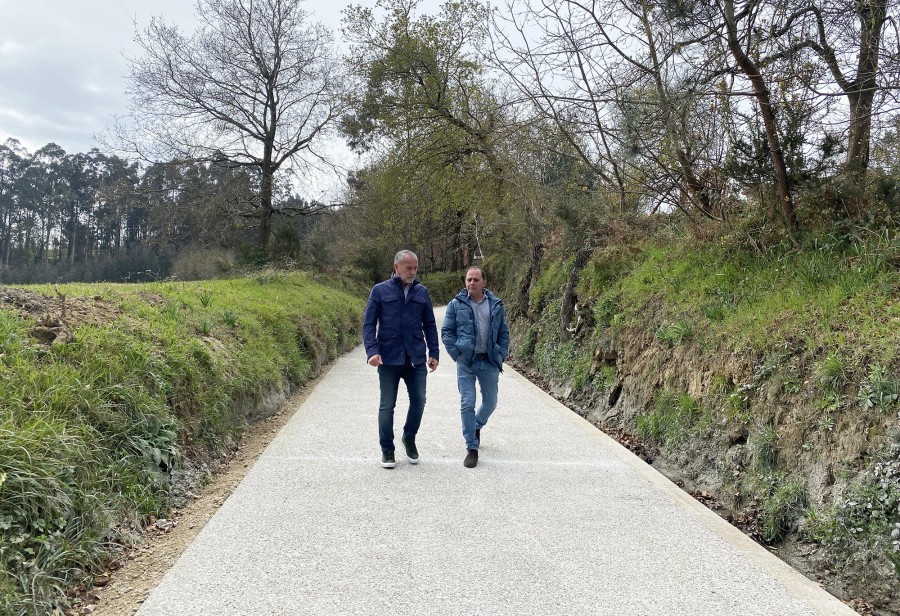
(255, 86)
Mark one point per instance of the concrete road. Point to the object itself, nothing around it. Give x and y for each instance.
(556, 519)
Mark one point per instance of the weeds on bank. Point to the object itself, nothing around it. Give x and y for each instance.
(671, 420)
(605, 378)
(675, 333)
(89, 430)
(821, 316)
(832, 373)
(782, 508)
(764, 447)
(840, 281)
(880, 388)
(868, 514)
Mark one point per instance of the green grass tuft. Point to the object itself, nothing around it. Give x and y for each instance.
(782, 509)
(832, 373)
(670, 421)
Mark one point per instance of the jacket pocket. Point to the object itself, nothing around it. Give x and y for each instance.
(466, 350)
(391, 314)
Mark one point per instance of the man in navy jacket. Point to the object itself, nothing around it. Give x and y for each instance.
(477, 338)
(398, 322)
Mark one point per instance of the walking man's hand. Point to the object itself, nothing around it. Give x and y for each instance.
(375, 360)
(432, 363)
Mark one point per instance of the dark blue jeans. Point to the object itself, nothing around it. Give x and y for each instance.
(389, 379)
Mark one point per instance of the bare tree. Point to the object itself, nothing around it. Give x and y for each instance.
(255, 86)
(740, 40)
(848, 37)
(577, 109)
(612, 77)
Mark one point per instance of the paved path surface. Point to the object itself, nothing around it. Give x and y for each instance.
(556, 519)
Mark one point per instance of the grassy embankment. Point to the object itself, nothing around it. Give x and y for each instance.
(90, 430)
(770, 362)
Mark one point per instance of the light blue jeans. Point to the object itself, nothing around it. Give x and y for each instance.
(488, 376)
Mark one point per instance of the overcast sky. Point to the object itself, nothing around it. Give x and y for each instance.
(62, 64)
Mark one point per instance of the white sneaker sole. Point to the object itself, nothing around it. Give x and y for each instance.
(388, 464)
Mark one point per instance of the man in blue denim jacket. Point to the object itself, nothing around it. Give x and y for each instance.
(399, 319)
(477, 338)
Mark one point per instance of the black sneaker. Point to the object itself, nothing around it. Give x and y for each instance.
(387, 459)
(478, 435)
(411, 452)
(471, 460)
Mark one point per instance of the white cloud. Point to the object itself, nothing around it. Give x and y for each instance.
(62, 66)
(13, 114)
(11, 48)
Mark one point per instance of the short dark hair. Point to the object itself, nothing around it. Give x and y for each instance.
(475, 267)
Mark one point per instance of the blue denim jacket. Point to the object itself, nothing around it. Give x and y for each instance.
(394, 327)
(458, 330)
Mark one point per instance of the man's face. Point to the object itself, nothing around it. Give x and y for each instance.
(475, 283)
(406, 269)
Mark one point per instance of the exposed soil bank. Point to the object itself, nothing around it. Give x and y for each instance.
(715, 454)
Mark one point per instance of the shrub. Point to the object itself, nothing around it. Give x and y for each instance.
(529, 340)
(868, 512)
(605, 310)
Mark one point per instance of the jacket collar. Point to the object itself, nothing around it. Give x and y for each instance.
(463, 296)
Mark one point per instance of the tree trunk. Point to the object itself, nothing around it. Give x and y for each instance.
(616, 173)
(569, 298)
(5, 238)
(761, 92)
(457, 241)
(45, 249)
(265, 208)
(26, 245)
(872, 15)
(118, 241)
(620, 185)
(73, 222)
(531, 276)
(537, 256)
(860, 133)
(8, 246)
(88, 240)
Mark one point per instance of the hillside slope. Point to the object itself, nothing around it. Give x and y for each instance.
(117, 400)
(764, 381)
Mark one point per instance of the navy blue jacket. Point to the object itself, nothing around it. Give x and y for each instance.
(394, 328)
(459, 330)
